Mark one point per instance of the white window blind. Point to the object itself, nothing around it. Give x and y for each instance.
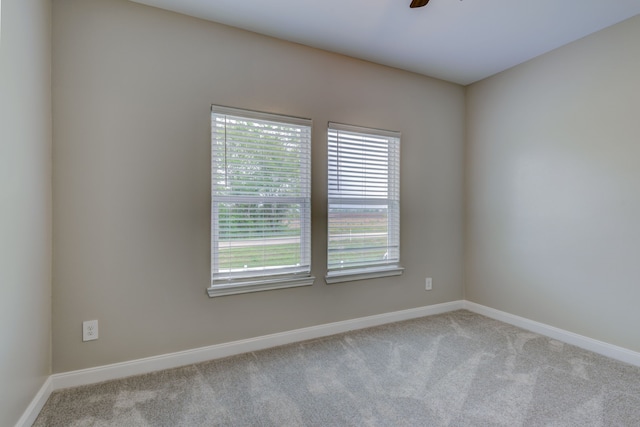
(260, 209)
(364, 202)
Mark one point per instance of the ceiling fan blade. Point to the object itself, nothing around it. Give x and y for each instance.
(418, 3)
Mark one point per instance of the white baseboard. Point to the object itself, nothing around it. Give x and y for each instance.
(31, 413)
(188, 357)
(609, 350)
(182, 358)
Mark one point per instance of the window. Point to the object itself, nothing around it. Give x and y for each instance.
(260, 201)
(364, 203)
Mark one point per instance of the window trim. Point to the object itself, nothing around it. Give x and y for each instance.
(277, 279)
(377, 270)
(362, 274)
(261, 284)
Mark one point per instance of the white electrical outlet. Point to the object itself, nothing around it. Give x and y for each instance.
(428, 284)
(90, 330)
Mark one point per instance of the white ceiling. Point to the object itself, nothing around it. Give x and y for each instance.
(461, 41)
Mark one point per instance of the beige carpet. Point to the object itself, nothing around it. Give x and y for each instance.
(455, 369)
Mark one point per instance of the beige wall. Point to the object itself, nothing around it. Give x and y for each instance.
(25, 204)
(553, 188)
(132, 88)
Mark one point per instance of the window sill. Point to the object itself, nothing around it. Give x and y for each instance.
(259, 285)
(363, 273)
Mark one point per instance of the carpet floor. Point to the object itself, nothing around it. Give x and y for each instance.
(454, 369)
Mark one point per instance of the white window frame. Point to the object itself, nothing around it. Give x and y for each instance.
(228, 282)
(386, 267)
